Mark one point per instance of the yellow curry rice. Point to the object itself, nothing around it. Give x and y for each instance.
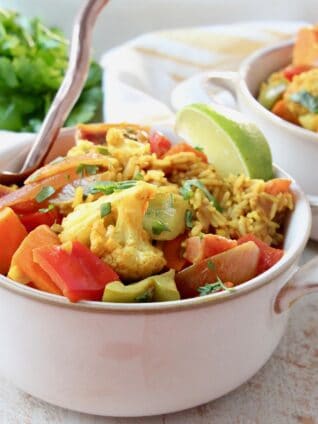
(245, 205)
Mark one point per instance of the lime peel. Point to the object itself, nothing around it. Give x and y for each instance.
(232, 144)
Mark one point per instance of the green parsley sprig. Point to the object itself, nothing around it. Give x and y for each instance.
(48, 209)
(146, 296)
(214, 288)
(109, 187)
(105, 209)
(159, 227)
(44, 194)
(189, 219)
(187, 193)
(84, 169)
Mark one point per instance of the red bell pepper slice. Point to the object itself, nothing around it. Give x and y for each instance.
(79, 274)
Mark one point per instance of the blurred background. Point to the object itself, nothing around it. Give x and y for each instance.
(124, 19)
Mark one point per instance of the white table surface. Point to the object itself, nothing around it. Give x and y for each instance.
(285, 391)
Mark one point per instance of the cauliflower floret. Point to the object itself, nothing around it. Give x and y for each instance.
(77, 226)
(128, 248)
(305, 82)
(123, 148)
(119, 238)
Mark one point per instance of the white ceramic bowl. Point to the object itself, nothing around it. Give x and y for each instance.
(146, 359)
(295, 149)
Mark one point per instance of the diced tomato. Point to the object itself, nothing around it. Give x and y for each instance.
(199, 248)
(28, 206)
(269, 256)
(172, 251)
(277, 185)
(159, 144)
(184, 147)
(33, 220)
(291, 71)
(236, 265)
(79, 273)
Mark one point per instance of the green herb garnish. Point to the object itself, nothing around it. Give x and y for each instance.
(171, 201)
(304, 98)
(109, 187)
(105, 209)
(211, 265)
(187, 193)
(213, 288)
(189, 218)
(84, 169)
(145, 297)
(48, 209)
(158, 227)
(139, 176)
(33, 61)
(103, 151)
(199, 149)
(45, 193)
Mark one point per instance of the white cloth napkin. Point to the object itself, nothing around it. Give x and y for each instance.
(140, 75)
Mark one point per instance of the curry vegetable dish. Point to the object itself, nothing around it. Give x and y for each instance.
(128, 217)
(292, 93)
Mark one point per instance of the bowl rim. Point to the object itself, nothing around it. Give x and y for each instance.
(250, 63)
(289, 259)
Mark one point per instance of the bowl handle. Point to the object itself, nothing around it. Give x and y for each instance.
(313, 201)
(303, 282)
(196, 88)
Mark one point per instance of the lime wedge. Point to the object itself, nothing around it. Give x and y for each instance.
(232, 144)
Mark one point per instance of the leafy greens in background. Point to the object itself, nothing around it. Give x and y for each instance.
(33, 60)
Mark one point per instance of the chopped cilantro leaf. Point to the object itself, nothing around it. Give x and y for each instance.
(187, 193)
(199, 149)
(213, 288)
(188, 218)
(139, 176)
(171, 201)
(105, 209)
(85, 169)
(45, 193)
(103, 151)
(158, 227)
(146, 296)
(48, 209)
(108, 187)
(211, 265)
